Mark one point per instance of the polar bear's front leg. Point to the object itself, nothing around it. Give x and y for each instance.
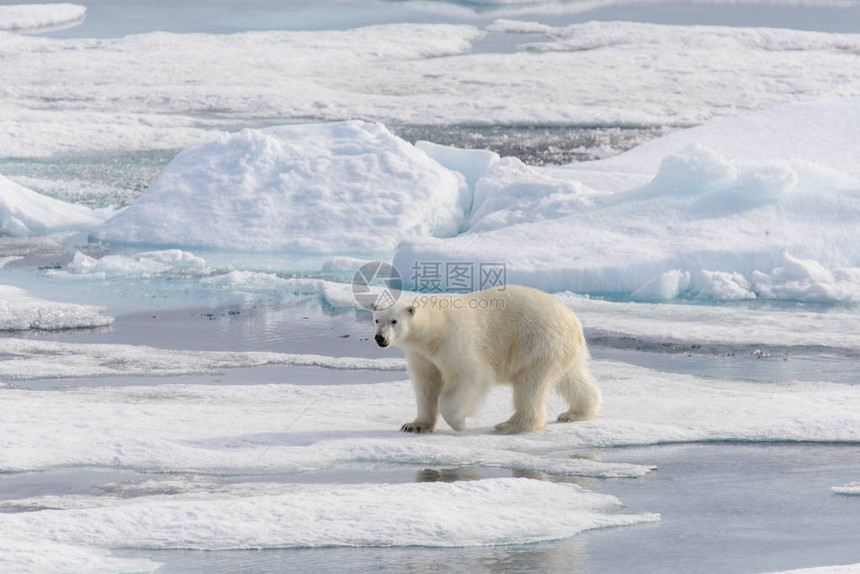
(427, 383)
(462, 395)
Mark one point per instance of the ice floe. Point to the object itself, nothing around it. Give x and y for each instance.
(44, 555)
(704, 214)
(716, 328)
(21, 311)
(841, 569)
(259, 516)
(25, 359)
(852, 488)
(132, 93)
(293, 428)
(23, 16)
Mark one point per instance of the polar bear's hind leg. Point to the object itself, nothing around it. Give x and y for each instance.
(578, 388)
(530, 394)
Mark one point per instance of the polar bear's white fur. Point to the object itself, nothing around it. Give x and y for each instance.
(458, 345)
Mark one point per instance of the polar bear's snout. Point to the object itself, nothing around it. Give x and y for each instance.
(380, 340)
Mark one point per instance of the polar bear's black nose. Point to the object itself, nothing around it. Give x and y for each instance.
(380, 340)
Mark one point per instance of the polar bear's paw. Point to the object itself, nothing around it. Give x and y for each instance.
(514, 426)
(417, 426)
(570, 417)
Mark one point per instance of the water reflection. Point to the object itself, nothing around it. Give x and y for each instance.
(461, 473)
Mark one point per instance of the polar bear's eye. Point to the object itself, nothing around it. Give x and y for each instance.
(376, 321)
(394, 322)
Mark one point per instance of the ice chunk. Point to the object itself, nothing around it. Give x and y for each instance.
(721, 286)
(852, 488)
(511, 192)
(842, 569)
(696, 170)
(21, 311)
(472, 163)
(315, 188)
(667, 286)
(807, 280)
(20, 16)
(146, 264)
(24, 212)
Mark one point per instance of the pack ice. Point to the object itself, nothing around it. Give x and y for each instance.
(761, 206)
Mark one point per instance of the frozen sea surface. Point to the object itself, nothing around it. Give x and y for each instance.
(204, 410)
(780, 516)
(770, 503)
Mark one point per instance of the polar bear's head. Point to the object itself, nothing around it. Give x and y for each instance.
(392, 323)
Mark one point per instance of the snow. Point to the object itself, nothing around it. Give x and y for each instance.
(307, 188)
(287, 428)
(212, 517)
(20, 311)
(131, 93)
(21, 16)
(276, 429)
(24, 212)
(759, 207)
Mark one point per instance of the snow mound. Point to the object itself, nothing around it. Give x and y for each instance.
(24, 212)
(710, 213)
(317, 188)
(21, 16)
(20, 311)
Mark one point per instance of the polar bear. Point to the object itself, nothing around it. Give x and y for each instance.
(458, 345)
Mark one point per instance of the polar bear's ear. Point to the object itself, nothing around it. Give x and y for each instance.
(373, 307)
